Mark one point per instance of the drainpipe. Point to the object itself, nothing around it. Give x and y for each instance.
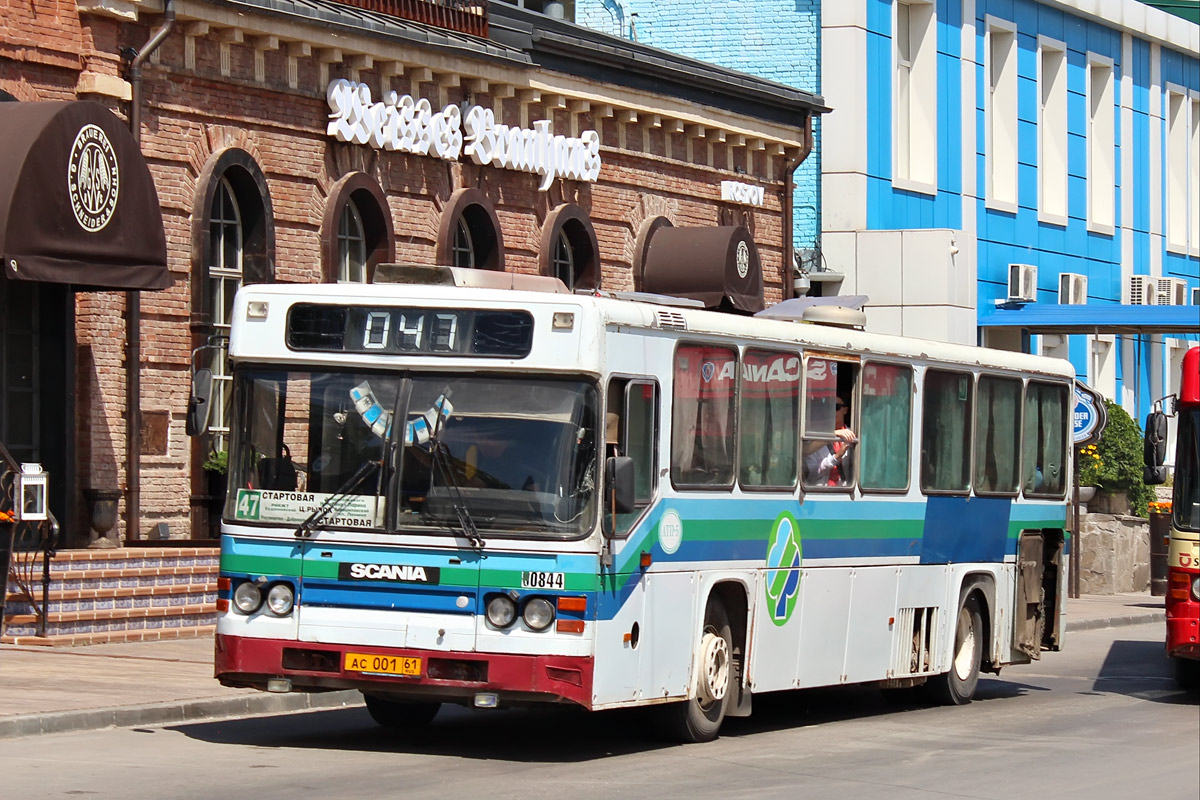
(133, 309)
(789, 189)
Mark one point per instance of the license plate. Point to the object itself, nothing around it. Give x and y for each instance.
(542, 580)
(382, 665)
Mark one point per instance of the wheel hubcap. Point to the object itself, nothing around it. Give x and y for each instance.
(714, 655)
(964, 656)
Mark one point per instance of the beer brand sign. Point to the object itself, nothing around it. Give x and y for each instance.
(402, 124)
(93, 179)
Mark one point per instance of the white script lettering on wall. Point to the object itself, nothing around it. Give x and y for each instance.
(400, 123)
(743, 193)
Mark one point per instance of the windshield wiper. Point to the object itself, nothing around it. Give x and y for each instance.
(439, 455)
(306, 528)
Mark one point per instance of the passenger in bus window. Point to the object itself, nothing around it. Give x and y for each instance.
(826, 463)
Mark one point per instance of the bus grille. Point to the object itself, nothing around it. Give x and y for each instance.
(914, 642)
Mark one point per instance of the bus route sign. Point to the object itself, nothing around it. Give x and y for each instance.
(1089, 417)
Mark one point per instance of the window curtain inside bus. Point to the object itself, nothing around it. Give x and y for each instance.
(770, 412)
(886, 417)
(997, 435)
(703, 419)
(945, 442)
(1045, 439)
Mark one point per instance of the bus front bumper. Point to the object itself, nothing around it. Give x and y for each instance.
(440, 676)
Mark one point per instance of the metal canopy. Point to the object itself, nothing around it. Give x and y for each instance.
(1040, 318)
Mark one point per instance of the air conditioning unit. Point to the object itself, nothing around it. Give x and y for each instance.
(1142, 290)
(1172, 292)
(1022, 283)
(1072, 289)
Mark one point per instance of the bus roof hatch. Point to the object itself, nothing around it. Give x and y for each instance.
(465, 277)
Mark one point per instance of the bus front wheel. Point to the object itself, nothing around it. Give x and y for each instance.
(699, 719)
(398, 714)
(957, 687)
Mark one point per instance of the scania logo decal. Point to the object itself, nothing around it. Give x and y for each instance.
(783, 568)
(93, 179)
(396, 573)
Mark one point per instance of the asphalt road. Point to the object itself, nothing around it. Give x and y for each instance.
(1100, 720)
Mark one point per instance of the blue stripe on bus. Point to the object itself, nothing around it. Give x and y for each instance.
(383, 596)
(960, 529)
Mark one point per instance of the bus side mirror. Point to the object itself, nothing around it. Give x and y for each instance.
(618, 471)
(1154, 449)
(198, 402)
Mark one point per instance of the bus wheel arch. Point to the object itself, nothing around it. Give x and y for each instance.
(716, 675)
(956, 686)
(983, 585)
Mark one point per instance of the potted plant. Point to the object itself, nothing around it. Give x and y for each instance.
(216, 469)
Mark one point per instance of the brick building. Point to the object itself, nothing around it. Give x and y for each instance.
(277, 152)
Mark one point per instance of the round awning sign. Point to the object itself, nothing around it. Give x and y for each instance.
(1089, 417)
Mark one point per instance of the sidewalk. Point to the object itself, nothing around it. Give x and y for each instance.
(45, 690)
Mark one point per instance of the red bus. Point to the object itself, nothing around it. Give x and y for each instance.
(1183, 564)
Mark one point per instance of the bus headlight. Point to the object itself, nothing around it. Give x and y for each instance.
(247, 597)
(538, 613)
(501, 611)
(280, 599)
(1196, 588)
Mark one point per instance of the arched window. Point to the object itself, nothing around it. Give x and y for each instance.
(356, 233)
(569, 249)
(469, 234)
(563, 260)
(352, 246)
(462, 252)
(224, 263)
(233, 238)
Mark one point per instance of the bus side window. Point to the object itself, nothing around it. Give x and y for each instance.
(885, 414)
(830, 431)
(632, 430)
(997, 435)
(1044, 450)
(702, 416)
(945, 423)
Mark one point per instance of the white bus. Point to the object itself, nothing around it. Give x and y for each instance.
(445, 492)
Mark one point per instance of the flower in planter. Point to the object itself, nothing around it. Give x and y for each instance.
(1091, 466)
(1160, 507)
(217, 461)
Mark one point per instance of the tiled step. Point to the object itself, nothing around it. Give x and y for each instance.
(127, 594)
(110, 637)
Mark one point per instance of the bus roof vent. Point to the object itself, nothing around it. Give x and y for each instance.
(470, 278)
(670, 319)
(842, 311)
(837, 316)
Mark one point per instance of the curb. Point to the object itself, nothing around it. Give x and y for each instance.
(174, 712)
(1120, 621)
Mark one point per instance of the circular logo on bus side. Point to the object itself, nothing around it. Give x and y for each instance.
(670, 532)
(783, 568)
(743, 259)
(93, 179)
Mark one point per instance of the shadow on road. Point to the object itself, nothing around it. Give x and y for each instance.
(1141, 669)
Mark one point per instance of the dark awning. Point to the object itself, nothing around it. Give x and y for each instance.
(713, 265)
(1042, 318)
(77, 203)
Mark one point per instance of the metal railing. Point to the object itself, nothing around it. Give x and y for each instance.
(26, 549)
(463, 16)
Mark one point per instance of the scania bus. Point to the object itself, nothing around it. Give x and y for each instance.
(443, 491)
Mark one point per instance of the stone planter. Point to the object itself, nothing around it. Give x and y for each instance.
(1110, 503)
(1086, 494)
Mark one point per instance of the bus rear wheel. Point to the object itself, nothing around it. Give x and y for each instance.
(699, 719)
(957, 687)
(398, 714)
(1187, 674)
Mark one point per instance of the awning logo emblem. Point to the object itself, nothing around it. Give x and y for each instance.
(93, 178)
(743, 259)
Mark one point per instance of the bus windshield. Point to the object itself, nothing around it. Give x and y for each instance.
(410, 452)
(1186, 504)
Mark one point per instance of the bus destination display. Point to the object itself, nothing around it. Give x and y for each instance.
(411, 331)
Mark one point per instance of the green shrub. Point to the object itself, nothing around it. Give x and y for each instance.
(217, 461)
(1114, 464)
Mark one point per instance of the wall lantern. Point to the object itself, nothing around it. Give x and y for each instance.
(31, 493)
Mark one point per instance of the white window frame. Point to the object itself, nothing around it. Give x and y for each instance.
(352, 245)
(1194, 174)
(915, 121)
(1053, 161)
(1101, 146)
(1181, 169)
(221, 273)
(1000, 115)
